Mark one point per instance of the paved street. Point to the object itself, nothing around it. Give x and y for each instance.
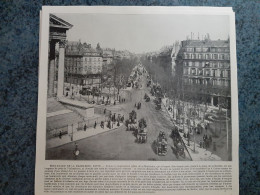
(120, 144)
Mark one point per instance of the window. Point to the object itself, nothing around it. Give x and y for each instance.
(226, 57)
(215, 64)
(205, 49)
(226, 50)
(197, 64)
(200, 71)
(214, 71)
(228, 73)
(222, 56)
(193, 71)
(194, 56)
(215, 56)
(186, 71)
(190, 63)
(198, 49)
(207, 72)
(207, 56)
(222, 73)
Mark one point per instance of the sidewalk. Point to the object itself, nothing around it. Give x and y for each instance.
(200, 154)
(78, 135)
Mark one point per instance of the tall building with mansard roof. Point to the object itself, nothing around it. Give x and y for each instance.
(203, 67)
(83, 64)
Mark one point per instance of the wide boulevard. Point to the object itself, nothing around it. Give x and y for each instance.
(120, 144)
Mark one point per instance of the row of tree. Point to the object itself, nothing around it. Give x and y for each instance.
(118, 72)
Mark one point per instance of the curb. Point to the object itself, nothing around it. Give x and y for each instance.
(172, 120)
(84, 137)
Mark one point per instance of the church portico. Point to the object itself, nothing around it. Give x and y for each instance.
(58, 29)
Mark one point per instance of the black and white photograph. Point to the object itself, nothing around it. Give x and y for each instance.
(141, 87)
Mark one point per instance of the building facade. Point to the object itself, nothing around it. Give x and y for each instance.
(204, 67)
(108, 56)
(83, 66)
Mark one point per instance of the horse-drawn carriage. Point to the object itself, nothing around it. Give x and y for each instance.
(180, 151)
(141, 135)
(146, 97)
(161, 144)
(131, 122)
(177, 141)
(141, 131)
(158, 106)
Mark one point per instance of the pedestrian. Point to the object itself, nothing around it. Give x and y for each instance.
(85, 127)
(102, 124)
(201, 143)
(115, 102)
(206, 127)
(114, 117)
(105, 110)
(76, 151)
(95, 125)
(60, 135)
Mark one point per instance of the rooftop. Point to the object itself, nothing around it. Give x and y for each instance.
(205, 43)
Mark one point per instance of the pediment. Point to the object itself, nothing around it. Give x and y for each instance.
(58, 22)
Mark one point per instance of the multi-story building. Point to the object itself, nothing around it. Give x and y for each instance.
(204, 70)
(108, 56)
(83, 65)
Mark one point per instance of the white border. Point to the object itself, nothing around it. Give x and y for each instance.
(42, 94)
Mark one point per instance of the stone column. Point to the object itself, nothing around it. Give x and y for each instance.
(51, 68)
(60, 85)
(212, 101)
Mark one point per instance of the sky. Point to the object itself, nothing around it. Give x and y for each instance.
(142, 33)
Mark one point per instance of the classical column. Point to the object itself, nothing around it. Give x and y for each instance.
(51, 68)
(60, 85)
